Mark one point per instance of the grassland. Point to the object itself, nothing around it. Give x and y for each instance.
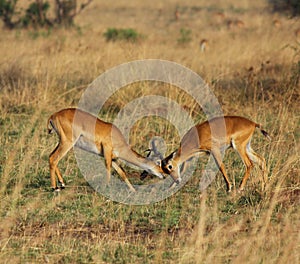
(253, 70)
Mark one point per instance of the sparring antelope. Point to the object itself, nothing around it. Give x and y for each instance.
(210, 137)
(81, 129)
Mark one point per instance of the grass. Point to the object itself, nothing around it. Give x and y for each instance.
(253, 71)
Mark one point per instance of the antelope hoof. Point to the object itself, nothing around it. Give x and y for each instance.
(55, 189)
(240, 190)
(229, 190)
(62, 186)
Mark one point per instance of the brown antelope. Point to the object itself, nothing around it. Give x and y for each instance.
(203, 44)
(176, 14)
(81, 129)
(219, 16)
(232, 24)
(276, 23)
(200, 140)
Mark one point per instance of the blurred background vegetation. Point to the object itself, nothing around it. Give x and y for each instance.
(36, 12)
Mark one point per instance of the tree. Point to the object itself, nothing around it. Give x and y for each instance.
(288, 6)
(66, 10)
(36, 13)
(7, 10)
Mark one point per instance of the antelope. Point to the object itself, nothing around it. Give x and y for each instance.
(85, 131)
(239, 23)
(176, 14)
(203, 44)
(219, 15)
(276, 23)
(200, 140)
(231, 24)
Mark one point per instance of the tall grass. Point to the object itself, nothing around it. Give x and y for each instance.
(253, 72)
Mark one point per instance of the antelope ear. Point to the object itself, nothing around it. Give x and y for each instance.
(149, 152)
(178, 152)
(174, 154)
(166, 160)
(171, 156)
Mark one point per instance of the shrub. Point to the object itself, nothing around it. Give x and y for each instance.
(185, 36)
(113, 34)
(7, 10)
(288, 6)
(36, 13)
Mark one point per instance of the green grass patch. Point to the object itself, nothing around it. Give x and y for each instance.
(126, 34)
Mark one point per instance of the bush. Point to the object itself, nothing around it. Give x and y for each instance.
(185, 36)
(287, 6)
(36, 13)
(7, 10)
(113, 34)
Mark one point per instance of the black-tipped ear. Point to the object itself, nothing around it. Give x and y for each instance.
(149, 152)
(170, 157)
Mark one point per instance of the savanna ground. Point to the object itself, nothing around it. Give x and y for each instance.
(253, 68)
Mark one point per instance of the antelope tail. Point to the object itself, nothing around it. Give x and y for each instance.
(50, 126)
(264, 132)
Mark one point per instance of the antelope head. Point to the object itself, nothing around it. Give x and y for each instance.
(170, 166)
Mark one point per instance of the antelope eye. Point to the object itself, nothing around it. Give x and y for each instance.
(170, 167)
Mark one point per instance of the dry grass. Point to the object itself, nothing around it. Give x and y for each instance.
(254, 71)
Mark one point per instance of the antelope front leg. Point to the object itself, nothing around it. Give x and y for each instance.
(246, 176)
(58, 153)
(122, 173)
(217, 156)
(60, 178)
(241, 149)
